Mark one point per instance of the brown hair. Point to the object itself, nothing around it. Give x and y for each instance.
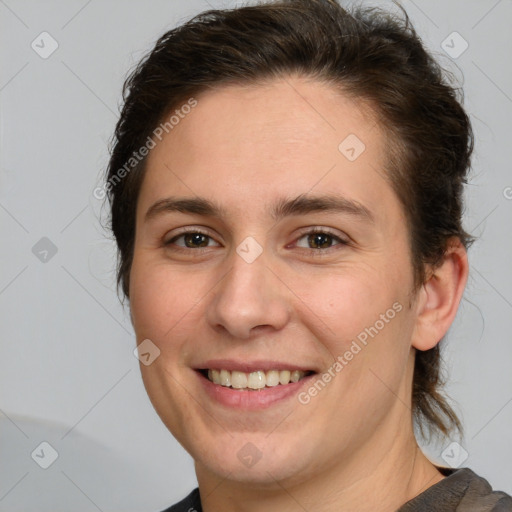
(364, 52)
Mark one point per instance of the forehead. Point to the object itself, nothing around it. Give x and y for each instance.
(259, 142)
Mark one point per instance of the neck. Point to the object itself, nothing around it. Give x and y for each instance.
(399, 473)
(381, 473)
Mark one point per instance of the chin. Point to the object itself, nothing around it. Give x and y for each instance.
(252, 458)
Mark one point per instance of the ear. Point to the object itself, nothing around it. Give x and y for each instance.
(439, 297)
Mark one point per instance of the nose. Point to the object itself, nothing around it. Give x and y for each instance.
(249, 298)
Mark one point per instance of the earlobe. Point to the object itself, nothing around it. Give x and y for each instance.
(439, 297)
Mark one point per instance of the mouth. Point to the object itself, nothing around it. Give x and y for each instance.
(258, 380)
(251, 386)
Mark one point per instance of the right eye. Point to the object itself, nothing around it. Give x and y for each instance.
(193, 239)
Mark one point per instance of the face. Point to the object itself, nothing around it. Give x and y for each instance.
(271, 247)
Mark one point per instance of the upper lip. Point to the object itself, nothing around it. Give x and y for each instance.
(250, 366)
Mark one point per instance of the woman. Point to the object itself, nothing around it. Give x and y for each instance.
(286, 191)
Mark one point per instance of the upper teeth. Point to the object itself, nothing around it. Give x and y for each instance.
(254, 380)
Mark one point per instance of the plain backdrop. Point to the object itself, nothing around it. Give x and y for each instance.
(68, 376)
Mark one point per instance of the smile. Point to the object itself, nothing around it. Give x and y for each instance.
(256, 380)
(251, 385)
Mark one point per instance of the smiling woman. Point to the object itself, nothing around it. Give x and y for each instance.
(297, 234)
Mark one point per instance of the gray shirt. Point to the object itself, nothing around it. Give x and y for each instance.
(461, 490)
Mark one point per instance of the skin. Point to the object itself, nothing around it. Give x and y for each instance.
(352, 446)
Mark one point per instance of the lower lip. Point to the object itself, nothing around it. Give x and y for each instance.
(251, 400)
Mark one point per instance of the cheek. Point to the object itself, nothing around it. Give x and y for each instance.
(362, 317)
(346, 303)
(160, 301)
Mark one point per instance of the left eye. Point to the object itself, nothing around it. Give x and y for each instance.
(192, 240)
(319, 240)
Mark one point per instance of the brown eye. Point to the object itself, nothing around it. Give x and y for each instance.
(192, 240)
(195, 240)
(320, 240)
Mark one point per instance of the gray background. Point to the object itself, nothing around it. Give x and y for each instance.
(67, 372)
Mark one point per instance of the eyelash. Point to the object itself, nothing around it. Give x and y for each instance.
(316, 252)
(320, 252)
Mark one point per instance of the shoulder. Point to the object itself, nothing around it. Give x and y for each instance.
(460, 490)
(192, 503)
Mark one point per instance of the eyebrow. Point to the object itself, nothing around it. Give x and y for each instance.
(300, 205)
